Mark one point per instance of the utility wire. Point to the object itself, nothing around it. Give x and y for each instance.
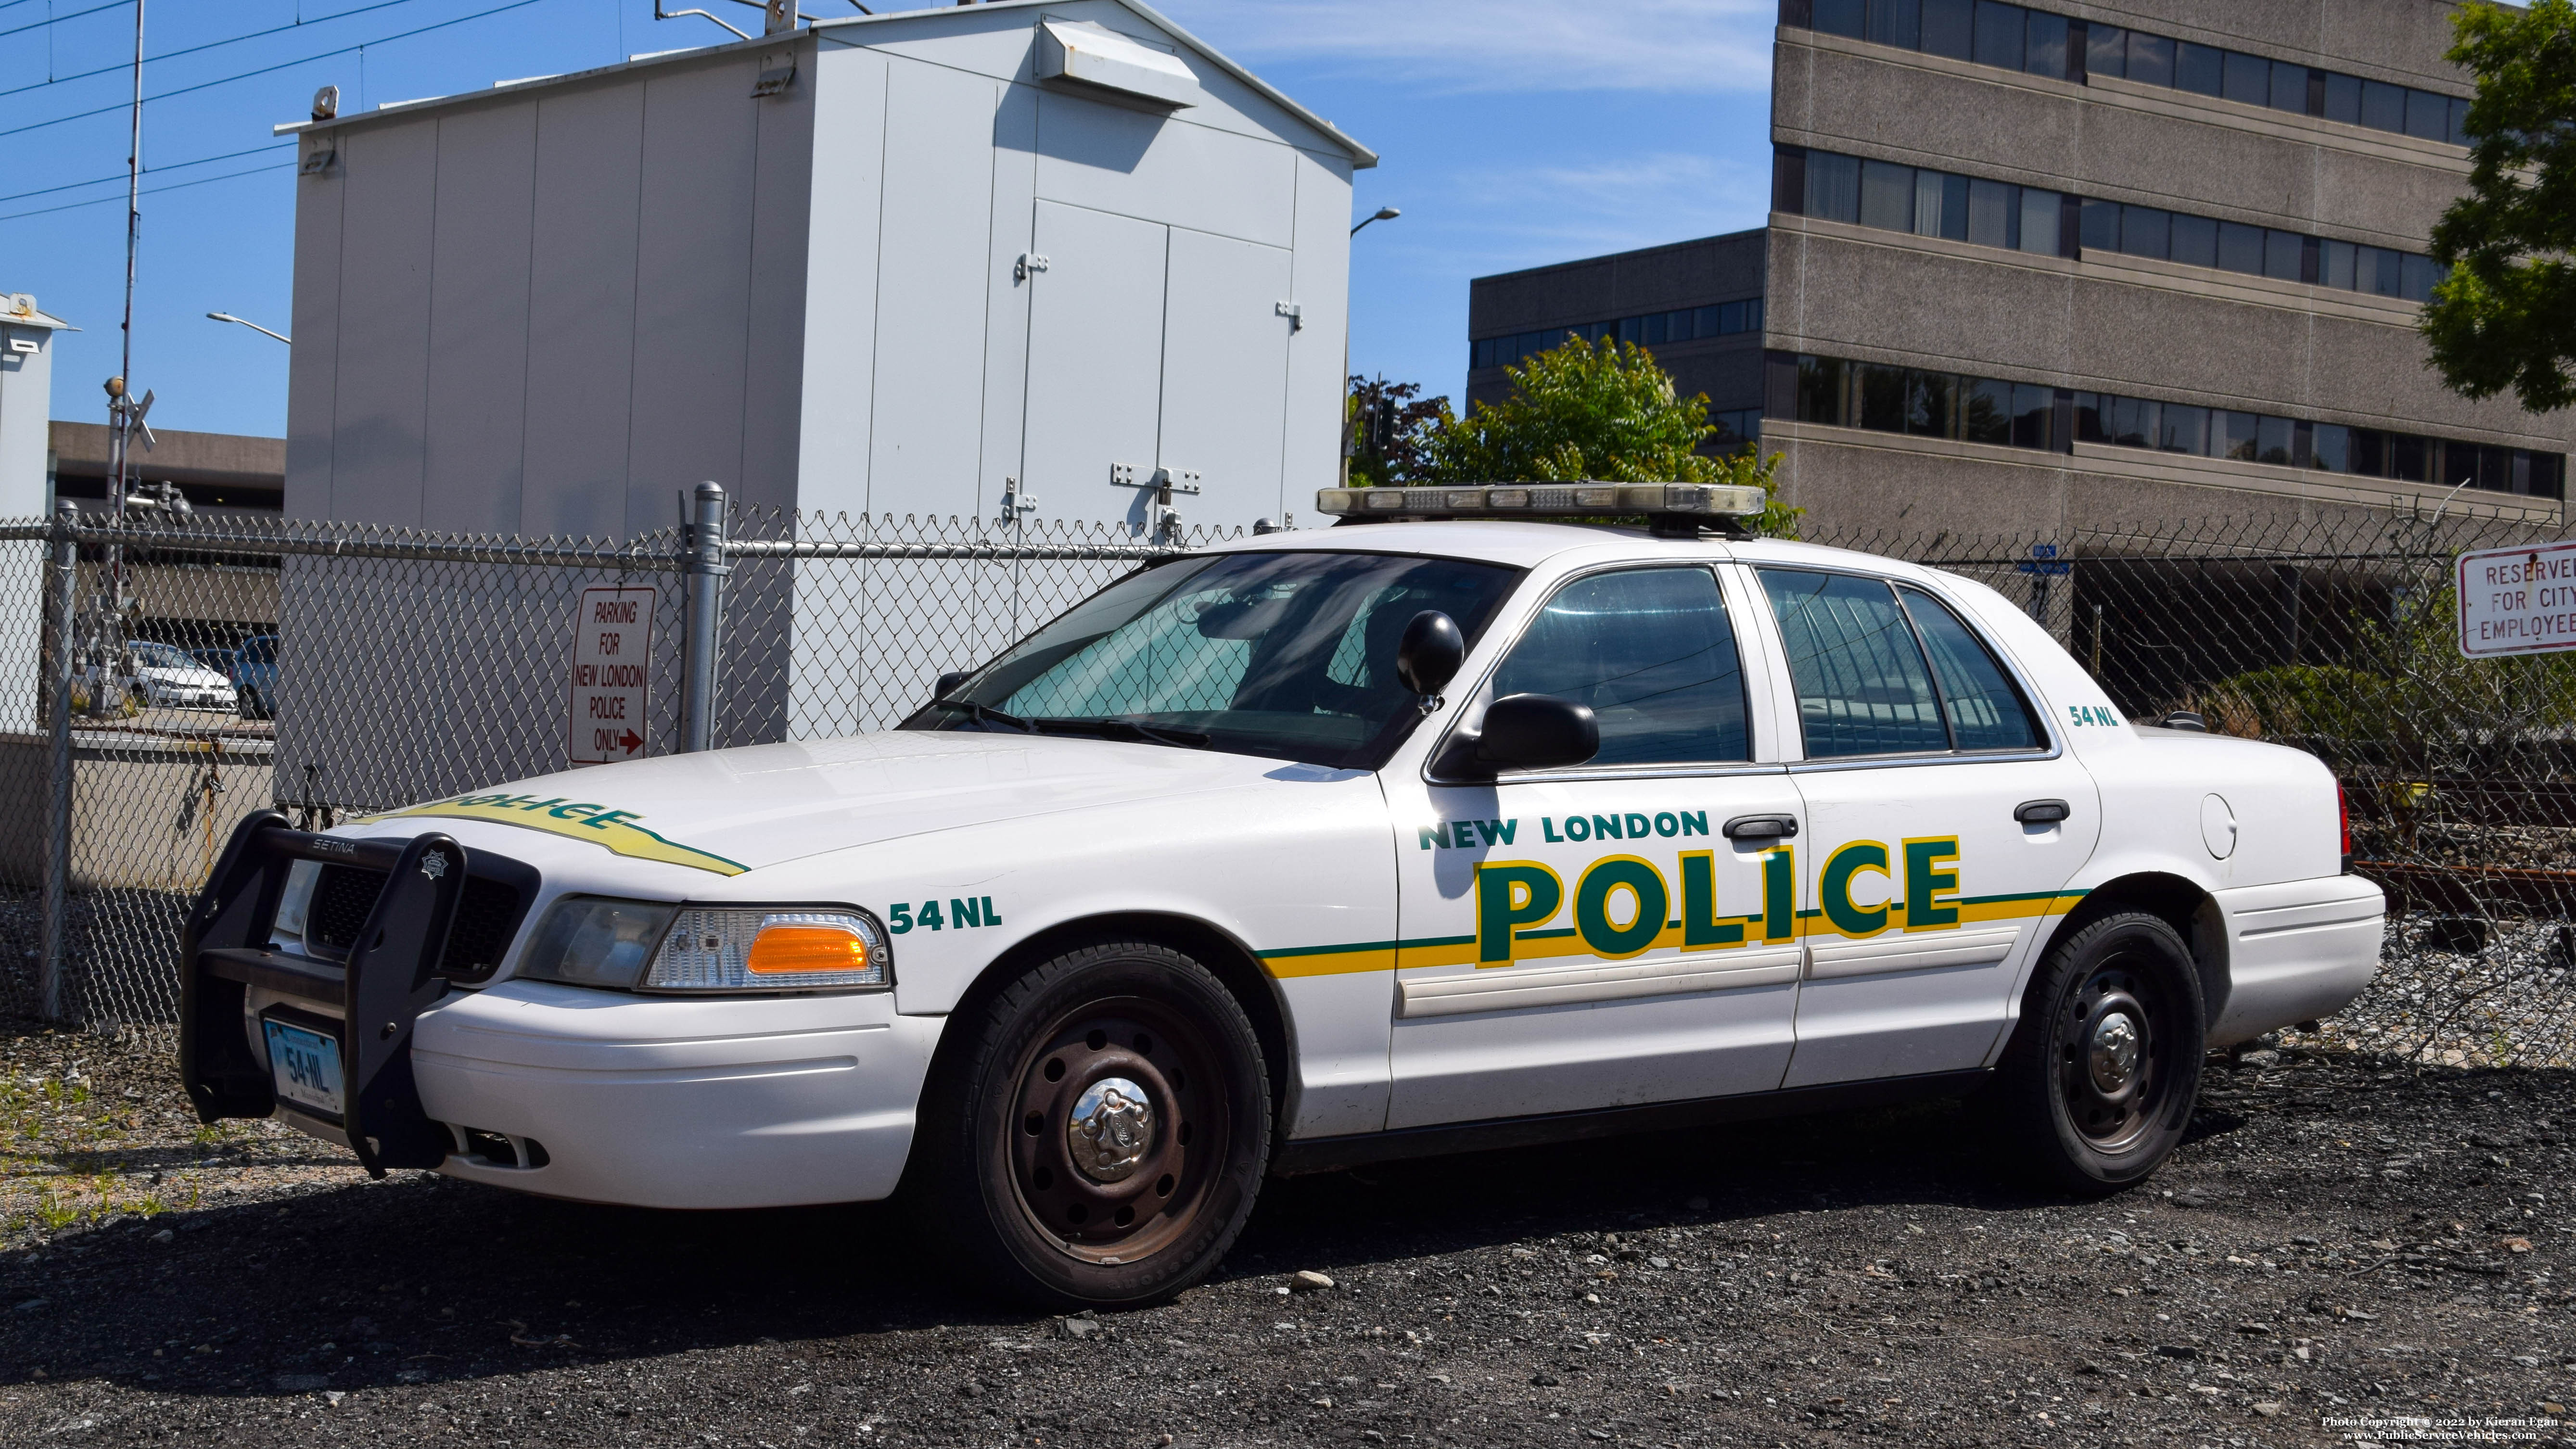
(59, 19)
(268, 69)
(193, 49)
(148, 170)
(151, 190)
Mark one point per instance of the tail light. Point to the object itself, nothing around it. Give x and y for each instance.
(2343, 820)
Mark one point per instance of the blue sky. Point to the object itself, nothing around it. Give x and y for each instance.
(1514, 132)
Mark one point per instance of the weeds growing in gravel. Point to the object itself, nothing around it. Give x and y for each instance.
(55, 1133)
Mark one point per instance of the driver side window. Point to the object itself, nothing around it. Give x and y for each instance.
(1652, 652)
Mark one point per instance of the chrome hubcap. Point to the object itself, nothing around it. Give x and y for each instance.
(1111, 1129)
(2113, 1054)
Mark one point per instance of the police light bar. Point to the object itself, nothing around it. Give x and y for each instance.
(1542, 500)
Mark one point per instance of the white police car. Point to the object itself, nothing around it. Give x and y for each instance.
(1299, 852)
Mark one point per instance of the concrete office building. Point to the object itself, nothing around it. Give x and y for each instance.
(2077, 270)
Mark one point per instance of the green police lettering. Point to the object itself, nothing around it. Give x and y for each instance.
(1701, 926)
(1780, 893)
(1833, 888)
(1930, 892)
(1606, 877)
(1509, 895)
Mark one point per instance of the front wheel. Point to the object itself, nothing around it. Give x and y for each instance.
(2099, 1080)
(1099, 1134)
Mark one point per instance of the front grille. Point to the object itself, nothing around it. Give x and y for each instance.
(341, 900)
(487, 917)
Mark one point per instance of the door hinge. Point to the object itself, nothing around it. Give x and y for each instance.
(1295, 314)
(1028, 262)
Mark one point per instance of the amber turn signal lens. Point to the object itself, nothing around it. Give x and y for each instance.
(800, 950)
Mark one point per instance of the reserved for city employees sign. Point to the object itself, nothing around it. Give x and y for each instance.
(2518, 600)
(612, 658)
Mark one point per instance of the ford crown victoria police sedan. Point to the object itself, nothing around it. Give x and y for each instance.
(1298, 852)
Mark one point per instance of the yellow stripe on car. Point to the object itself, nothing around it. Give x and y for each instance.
(620, 832)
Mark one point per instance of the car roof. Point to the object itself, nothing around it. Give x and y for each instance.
(1528, 545)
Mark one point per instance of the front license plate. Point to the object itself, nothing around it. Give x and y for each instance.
(307, 1067)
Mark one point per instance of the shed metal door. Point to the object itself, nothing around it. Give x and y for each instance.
(1225, 374)
(1095, 359)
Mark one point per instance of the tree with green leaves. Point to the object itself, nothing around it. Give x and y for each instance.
(2505, 316)
(1385, 428)
(1606, 413)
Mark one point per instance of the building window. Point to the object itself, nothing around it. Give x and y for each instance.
(1650, 329)
(2039, 42)
(1925, 403)
(1896, 197)
(2327, 447)
(2146, 231)
(1735, 427)
(1885, 398)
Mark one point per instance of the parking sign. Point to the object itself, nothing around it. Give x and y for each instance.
(612, 662)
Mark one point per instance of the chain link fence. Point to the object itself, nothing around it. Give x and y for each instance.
(209, 667)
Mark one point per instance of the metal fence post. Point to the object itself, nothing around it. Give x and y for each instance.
(64, 597)
(706, 568)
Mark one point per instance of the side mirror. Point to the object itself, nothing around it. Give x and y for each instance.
(949, 682)
(1521, 732)
(1428, 655)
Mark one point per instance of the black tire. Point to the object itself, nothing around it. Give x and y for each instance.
(1144, 1214)
(2098, 1082)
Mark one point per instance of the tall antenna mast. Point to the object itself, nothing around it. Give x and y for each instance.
(133, 235)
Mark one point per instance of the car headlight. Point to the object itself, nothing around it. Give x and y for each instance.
(592, 941)
(646, 946)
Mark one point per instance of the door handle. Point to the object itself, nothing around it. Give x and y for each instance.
(1760, 827)
(2041, 812)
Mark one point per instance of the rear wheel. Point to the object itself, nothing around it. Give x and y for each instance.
(2099, 1081)
(1101, 1136)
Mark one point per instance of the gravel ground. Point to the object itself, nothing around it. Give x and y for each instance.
(2341, 1244)
(2454, 991)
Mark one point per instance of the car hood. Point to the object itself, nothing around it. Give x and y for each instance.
(729, 811)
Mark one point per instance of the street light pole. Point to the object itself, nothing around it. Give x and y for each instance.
(253, 326)
(1383, 213)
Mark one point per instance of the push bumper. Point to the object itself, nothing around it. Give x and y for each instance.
(2296, 951)
(672, 1103)
(231, 974)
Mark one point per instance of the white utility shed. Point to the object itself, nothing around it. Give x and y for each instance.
(899, 264)
(26, 411)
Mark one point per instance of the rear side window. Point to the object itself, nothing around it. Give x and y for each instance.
(1863, 688)
(1880, 674)
(1983, 709)
(1652, 651)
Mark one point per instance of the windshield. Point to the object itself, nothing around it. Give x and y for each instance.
(1289, 655)
(163, 656)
